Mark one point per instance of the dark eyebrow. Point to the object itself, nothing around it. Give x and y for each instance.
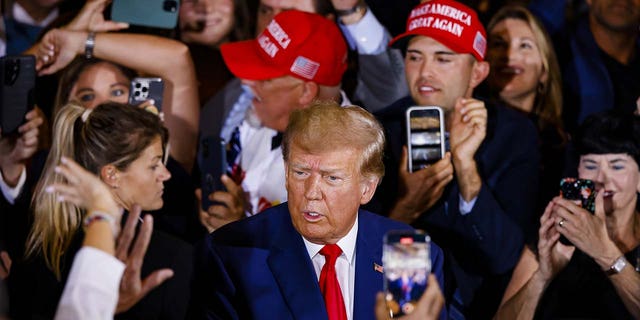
(447, 53)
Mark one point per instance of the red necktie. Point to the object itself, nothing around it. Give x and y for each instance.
(329, 283)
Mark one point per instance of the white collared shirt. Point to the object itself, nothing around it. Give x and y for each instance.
(345, 265)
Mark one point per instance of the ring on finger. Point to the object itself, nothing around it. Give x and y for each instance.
(561, 223)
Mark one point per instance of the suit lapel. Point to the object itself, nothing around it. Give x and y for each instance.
(292, 269)
(368, 280)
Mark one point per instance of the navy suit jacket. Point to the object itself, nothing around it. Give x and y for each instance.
(485, 244)
(259, 268)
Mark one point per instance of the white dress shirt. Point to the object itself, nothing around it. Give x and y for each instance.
(345, 265)
(91, 291)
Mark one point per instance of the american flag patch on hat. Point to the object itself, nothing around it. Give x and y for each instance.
(304, 67)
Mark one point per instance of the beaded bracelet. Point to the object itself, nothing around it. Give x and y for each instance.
(101, 216)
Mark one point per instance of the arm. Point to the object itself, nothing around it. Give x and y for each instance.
(380, 79)
(532, 276)
(149, 55)
(14, 155)
(508, 166)
(589, 232)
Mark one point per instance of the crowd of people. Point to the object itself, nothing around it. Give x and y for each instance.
(111, 208)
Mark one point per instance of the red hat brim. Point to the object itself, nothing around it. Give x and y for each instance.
(245, 61)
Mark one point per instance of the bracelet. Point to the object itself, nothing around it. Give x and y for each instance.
(356, 8)
(101, 216)
(89, 44)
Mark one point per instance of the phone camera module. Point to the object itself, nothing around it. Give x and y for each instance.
(170, 5)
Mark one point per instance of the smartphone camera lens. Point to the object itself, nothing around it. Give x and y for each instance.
(170, 6)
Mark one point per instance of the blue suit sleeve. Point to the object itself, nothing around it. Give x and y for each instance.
(493, 232)
(212, 287)
(437, 265)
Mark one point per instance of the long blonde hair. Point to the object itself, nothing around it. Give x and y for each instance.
(548, 102)
(110, 134)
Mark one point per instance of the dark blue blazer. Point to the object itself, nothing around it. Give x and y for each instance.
(485, 243)
(259, 268)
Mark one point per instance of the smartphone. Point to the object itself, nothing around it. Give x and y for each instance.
(406, 264)
(17, 92)
(582, 190)
(425, 136)
(143, 89)
(213, 163)
(149, 13)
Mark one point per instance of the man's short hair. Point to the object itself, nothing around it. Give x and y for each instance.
(326, 126)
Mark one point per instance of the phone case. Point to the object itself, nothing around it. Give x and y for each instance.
(17, 91)
(149, 13)
(406, 264)
(425, 136)
(579, 189)
(213, 162)
(143, 89)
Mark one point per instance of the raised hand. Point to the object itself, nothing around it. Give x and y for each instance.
(13, 154)
(132, 287)
(468, 128)
(91, 18)
(231, 206)
(421, 189)
(553, 256)
(428, 307)
(588, 231)
(57, 49)
(84, 189)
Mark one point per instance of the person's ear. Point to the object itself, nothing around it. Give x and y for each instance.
(309, 93)
(369, 186)
(110, 175)
(479, 72)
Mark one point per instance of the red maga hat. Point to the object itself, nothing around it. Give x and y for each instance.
(305, 45)
(449, 22)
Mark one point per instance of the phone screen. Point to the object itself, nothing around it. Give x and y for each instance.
(425, 136)
(407, 265)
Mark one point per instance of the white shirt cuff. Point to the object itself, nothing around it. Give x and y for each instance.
(91, 291)
(11, 194)
(368, 35)
(466, 207)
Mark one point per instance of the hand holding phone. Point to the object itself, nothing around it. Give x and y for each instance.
(149, 13)
(425, 136)
(213, 164)
(17, 93)
(582, 190)
(145, 89)
(407, 265)
(578, 190)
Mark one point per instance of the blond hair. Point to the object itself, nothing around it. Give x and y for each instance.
(113, 134)
(548, 102)
(326, 126)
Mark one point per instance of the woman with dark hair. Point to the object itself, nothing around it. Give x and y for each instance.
(124, 146)
(596, 276)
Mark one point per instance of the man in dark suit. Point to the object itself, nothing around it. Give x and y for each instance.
(268, 266)
(477, 201)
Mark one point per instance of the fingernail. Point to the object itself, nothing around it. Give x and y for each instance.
(64, 160)
(49, 189)
(60, 198)
(57, 169)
